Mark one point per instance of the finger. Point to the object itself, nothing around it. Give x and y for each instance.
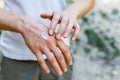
(42, 62)
(53, 61)
(62, 27)
(47, 15)
(76, 31)
(65, 50)
(53, 23)
(69, 28)
(59, 57)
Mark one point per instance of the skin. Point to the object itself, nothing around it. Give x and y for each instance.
(68, 18)
(53, 47)
(31, 31)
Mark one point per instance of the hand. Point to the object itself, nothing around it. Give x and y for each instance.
(54, 49)
(67, 21)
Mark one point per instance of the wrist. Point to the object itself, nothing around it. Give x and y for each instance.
(8, 20)
(80, 7)
(27, 24)
(72, 12)
(20, 23)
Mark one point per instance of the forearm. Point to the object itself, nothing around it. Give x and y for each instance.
(9, 21)
(19, 23)
(81, 7)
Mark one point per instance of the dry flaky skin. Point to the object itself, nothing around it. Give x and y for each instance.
(68, 18)
(46, 46)
(31, 31)
(44, 35)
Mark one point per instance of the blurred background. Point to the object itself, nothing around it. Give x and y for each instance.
(96, 51)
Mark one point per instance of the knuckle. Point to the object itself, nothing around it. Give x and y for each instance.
(56, 18)
(51, 27)
(60, 57)
(65, 50)
(69, 58)
(54, 13)
(41, 62)
(36, 48)
(71, 21)
(49, 41)
(52, 60)
(65, 21)
(42, 46)
(75, 35)
(61, 30)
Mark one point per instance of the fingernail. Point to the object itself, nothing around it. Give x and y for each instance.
(58, 36)
(66, 34)
(60, 73)
(48, 71)
(51, 32)
(73, 39)
(70, 63)
(65, 70)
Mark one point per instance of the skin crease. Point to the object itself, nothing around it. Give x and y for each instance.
(31, 31)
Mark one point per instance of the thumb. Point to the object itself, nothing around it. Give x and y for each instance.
(47, 15)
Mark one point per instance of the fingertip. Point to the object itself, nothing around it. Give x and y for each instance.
(60, 73)
(51, 32)
(48, 71)
(58, 36)
(75, 35)
(73, 39)
(42, 15)
(65, 70)
(46, 15)
(71, 63)
(65, 35)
